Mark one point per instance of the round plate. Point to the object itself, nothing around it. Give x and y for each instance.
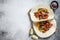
(35, 8)
(48, 33)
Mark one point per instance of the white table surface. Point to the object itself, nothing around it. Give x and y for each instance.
(15, 18)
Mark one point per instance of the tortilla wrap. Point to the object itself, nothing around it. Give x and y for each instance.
(35, 8)
(48, 33)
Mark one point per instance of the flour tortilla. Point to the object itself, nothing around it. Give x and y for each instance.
(35, 8)
(48, 33)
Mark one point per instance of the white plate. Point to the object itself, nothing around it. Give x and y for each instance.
(35, 8)
(48, 33)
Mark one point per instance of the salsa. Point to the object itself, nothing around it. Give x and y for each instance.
(42, 13)
(43, 26)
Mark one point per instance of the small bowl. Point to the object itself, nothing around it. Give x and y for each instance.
(54, 4)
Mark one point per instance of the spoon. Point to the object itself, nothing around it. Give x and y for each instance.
(54, 5)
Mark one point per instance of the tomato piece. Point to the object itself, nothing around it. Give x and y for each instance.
(45, 16)
(37, 14)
